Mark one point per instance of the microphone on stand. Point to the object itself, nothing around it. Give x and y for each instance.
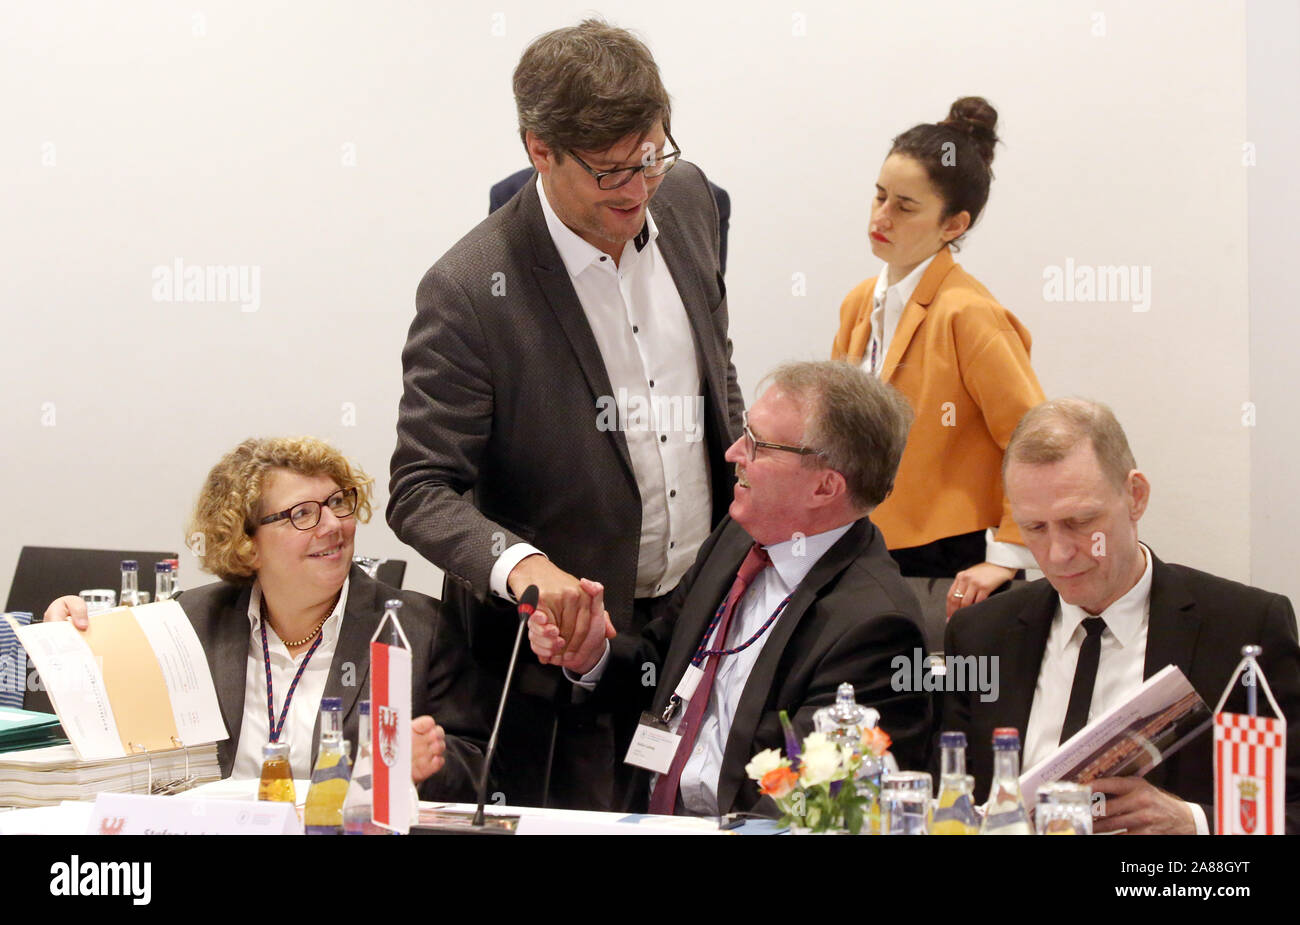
(527, 604)
(478, 826)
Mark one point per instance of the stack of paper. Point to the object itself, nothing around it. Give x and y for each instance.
(131, 693)
(21, 729)
(46, 776)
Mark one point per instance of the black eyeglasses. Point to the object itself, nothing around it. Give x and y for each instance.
(752, 443)
(613, 179)
(305, 515)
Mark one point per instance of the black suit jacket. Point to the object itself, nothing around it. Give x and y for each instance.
(443, 684)
(1197, 621)
(850, 617)
(498, 443)
(502, 375)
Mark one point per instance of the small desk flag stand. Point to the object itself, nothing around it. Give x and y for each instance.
(1249, 759)
(390, 725)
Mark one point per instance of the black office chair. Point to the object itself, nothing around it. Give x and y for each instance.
(389, 571)
(46, 572)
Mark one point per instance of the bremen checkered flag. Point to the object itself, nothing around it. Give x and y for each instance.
(1249, 759)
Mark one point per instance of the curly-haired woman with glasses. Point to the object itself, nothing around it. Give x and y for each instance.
(275, 522)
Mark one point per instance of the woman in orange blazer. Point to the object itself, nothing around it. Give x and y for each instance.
(929, 328)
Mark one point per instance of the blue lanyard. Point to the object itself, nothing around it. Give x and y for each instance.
(702, 651)
(277, 728)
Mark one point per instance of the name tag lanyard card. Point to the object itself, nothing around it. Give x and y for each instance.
(654, 746)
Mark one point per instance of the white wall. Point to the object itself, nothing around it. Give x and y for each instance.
(1273, 100)
(133, 141)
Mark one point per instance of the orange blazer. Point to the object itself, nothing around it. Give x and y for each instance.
(962, 360)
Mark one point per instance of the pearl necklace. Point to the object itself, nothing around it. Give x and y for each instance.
(306, 639)
(266, 613)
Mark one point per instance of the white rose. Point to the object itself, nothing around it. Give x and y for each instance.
(821, 760)
(769, 759)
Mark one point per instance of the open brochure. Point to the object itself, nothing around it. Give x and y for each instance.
(1129, 739)
(136, 681)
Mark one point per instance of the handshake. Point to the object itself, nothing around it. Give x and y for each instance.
(570, 625)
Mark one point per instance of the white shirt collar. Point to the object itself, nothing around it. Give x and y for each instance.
(794, 558)
(577, 253)
(329, 631)
(903, 289)
(1124, 618)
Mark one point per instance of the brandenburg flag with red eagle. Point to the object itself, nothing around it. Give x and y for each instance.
(390, 722)
(1249, 760)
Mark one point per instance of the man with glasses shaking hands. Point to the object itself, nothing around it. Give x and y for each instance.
(793, 595)
(508, 471)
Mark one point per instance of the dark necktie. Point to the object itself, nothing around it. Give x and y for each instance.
(664, 800)
(1085, 676)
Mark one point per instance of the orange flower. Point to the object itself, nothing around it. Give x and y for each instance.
(876, 741)
(778, 782)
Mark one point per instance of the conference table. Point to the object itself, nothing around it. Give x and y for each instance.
(78, 817)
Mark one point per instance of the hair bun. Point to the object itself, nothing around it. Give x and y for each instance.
(973, 116)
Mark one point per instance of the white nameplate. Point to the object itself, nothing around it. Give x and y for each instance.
(137, 814)
(653, 746)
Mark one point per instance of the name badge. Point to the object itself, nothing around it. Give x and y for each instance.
(653, 746)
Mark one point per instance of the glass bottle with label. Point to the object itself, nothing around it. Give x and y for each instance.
(162, 581)
(323, 812)
(130, 583)
(276, 783)
(1005, 812)
(955, 814)
(359, 804)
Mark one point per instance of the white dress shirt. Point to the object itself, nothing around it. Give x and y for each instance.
(1119, 669)
(888, 305)
(699, 784)
(300, 727)
(645, 340)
